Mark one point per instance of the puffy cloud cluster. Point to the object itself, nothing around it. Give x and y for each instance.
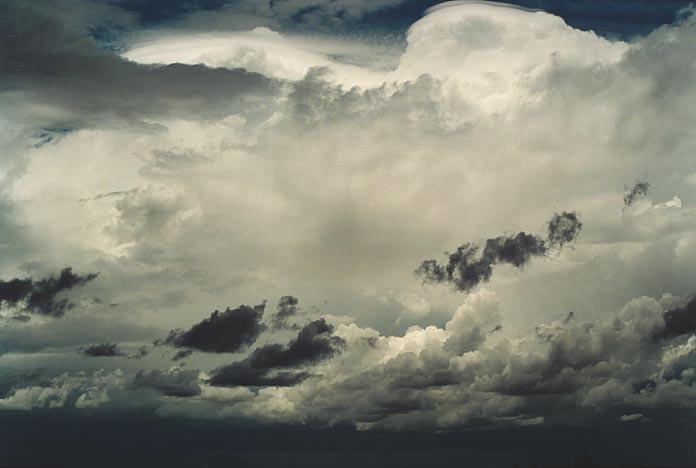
(464, 374)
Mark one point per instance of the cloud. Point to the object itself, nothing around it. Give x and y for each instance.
(464, 271)
(41, 297)
(472, 322)
(314, 342)
(680, 320)
(223, 332)
(102, 350)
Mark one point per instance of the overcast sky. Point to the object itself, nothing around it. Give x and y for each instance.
(417, 232)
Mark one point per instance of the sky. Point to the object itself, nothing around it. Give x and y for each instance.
(313, 232)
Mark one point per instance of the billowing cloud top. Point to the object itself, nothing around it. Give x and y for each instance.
(184, 168)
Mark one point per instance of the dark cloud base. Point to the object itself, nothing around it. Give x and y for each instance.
(138, 440)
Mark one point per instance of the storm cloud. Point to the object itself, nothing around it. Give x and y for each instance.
(680, 320)
(223, 332)
(42, 296)
(102, 350)
(465, 269)
(314, 342)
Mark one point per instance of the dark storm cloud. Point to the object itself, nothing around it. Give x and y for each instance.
(680, 320)
(45, 59)
(223, 332)
(15, 290)
(102, 350)
(313, 343)
(41, 297)
(177, 382)
(465, 269)
(287, 307)
(639, 189)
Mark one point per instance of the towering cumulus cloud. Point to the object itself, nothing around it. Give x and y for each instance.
(465, 270)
